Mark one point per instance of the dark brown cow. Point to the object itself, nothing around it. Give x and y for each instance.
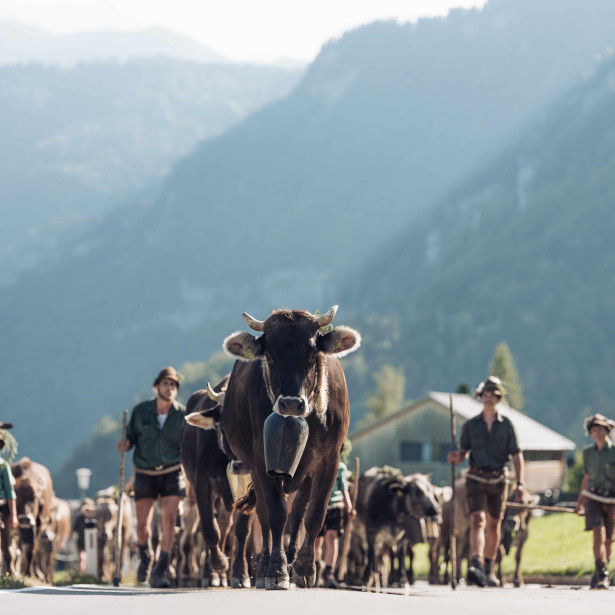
(205, 462)
(386, 506)
(292, 370)
(419, 530)
(34, 491)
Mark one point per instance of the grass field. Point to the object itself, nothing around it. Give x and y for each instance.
(557, 545)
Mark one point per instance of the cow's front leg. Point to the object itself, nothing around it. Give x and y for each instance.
(296, 520)
(277, 573)
(304, 569)
(240, 577)
(263, 559)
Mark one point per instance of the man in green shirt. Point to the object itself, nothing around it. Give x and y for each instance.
(597, 497)
(8, 506)
(153, 429)
(491, 440)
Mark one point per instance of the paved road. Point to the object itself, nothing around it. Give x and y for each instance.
(422, 598)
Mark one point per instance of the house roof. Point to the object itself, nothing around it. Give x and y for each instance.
(532, 435)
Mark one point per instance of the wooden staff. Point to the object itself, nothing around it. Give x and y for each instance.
(120, 506)
(520, 506)
(453, 545)
(341, 571)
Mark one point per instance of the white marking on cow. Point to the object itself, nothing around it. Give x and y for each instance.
(267, 379)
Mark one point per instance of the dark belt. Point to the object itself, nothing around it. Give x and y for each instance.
(485, 472)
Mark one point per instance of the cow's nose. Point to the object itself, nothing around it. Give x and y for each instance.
(291, 406)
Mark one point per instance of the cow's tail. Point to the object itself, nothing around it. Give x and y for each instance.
(247, 503)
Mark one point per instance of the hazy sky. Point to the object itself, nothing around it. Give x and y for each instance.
(239, 29)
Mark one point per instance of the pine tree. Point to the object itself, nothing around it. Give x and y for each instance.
(503, 366)
(389, 395)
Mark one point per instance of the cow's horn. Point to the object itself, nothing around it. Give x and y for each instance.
(219, 397)
(257, 325)
(325, 319)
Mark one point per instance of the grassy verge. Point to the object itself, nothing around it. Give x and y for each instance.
(557, 545)
(64, 577)
(9, 582)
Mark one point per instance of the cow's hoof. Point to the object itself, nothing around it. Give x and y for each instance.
(281, 582)
(212, 581)
(237, 583)
(303, 581)
(260, 583)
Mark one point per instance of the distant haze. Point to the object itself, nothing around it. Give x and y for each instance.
(242, 30)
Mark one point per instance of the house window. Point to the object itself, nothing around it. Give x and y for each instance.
(424, 452)
(412, 451)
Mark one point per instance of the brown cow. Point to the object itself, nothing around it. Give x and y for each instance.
(205, 457)
(34, 491)
(106, 502)
(54, 538)
(292, 370)
(515, 531)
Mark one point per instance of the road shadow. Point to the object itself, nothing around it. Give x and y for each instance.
(103, 590)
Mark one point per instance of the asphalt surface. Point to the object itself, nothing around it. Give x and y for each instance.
(431, 600)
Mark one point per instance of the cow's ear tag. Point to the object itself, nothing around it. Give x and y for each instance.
(248, 354)
(399, 492)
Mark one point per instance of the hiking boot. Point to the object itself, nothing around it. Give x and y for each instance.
(476, 573)
(329, 581)
(145, 559)
(160, 574)
(492, 579)
(600, 578)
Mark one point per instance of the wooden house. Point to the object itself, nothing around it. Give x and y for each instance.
(418, 439)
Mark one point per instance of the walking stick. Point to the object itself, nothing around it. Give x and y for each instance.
(453, 545)
(520, 506)
(341, 571)
(120, 506)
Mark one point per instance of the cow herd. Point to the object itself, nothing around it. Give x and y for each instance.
(251, 521)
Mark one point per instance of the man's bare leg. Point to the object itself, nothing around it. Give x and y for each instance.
(144, 510)
(478, 522)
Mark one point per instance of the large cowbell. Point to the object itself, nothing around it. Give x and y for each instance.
(285, 439)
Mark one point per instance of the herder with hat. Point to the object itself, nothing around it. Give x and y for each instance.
(491, 440)
(597, 497)
(153, 429)
(8, 500)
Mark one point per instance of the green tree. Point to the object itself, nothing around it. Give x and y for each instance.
(197, 374)
(463, 388)
(575, 474)
(503, 366)
(388, 396)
